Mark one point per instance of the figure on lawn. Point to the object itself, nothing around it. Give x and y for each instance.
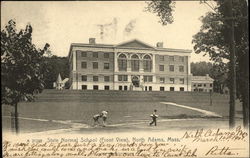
(154, 117)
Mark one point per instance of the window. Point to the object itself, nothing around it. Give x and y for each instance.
(106, 55)
(122, 62)
(95, 54)
(125, 78)
(84, 77)
(171, 58)
(106, 78)
(162, 80)
(171, 68)
(84, 87)
(181, 68)
(161, 67)
(106, 87)
(146, 88)
(95, 65)
(120, 88)
(161, 58)
(95, 87)
(181, 59)
(95, 78)
(171, 80)
(147, 63)
(84, 54)
(106, 66)
(181, 80)
(162, 89)
(135, 63)
(84, 65)
(122, 77)
(150, 88)
(194, 85)
(125, 88)
(199, 85)
(148, 78)
(204, 85)
(181, 88)
(171, 88)
(211, 85)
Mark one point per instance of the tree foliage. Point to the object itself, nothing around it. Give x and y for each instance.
(217, 71)
(201, 68)
(21, 65)
(55, 65)
(163, 9)
(213, 39)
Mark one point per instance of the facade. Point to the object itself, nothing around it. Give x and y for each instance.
(202, 83)
(60, 84)
(132, 65)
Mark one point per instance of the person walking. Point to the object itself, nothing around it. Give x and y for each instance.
(154, 116)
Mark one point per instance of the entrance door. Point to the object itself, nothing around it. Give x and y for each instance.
(135, 81)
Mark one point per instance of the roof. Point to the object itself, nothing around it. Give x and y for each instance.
(132, 44)
(65, 80)
(59, 79)
(202, 78)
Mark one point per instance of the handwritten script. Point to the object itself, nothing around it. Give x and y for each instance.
(199, 143)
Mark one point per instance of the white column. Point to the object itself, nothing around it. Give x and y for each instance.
(141, 69)
(189, 83)
(189, 65)
(115, 61)
(129, 78)
(128, 63)
(153, 63)
(74, 60)
(115, 78)
(154, 79)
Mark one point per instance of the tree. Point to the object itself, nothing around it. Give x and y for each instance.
(217, 71)
(215, 38)
(201, 68)
(163, 9)
(55, 65)
(21, 67)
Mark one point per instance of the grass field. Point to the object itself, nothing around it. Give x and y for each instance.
(123, 106)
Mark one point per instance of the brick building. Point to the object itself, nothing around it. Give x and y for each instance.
(132, 65)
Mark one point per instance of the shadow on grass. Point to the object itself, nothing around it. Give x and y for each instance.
(185, 116)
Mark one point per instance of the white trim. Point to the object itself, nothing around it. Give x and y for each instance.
(132, 41)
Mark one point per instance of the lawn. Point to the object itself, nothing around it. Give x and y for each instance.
(123, 107)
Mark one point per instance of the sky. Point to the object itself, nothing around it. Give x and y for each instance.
(66, 22)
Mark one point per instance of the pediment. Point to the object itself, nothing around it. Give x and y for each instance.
(135, 44)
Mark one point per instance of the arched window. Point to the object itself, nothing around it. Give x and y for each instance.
(122, 62)
(134, 63)
(147, 63)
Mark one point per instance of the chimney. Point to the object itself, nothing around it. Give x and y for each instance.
(207, 76)
(91, 40)
(159, 44)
